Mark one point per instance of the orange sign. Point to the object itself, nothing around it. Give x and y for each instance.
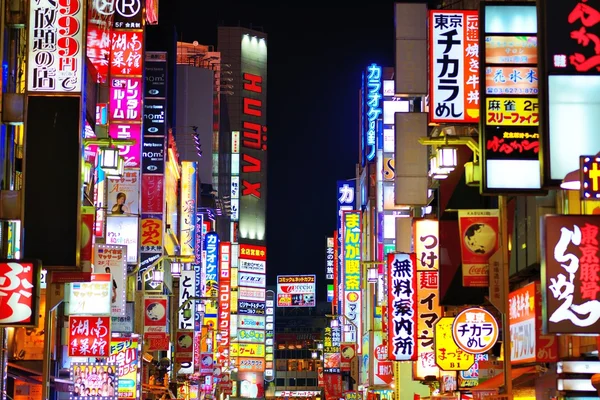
(475, 330)
(151, 237)
(251, 364)
(511, 50)
(511, 80)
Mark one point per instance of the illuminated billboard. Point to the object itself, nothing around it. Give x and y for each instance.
(187, 210)
(372, 110)
(296, 290)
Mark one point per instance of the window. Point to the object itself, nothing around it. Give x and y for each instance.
(281, 365)
(280, 382)
(301, 381)
(311, 382)
(292, 382)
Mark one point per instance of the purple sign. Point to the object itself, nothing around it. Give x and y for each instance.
(126, 99)
(131, 154)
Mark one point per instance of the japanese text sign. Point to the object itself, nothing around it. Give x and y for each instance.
(252, 252)
(124, 356)
(126, 56)
(112, 259)
(571, 30)
(251, 364)
(224, 303)
(475, 330)
(131, 131)
(479, 240)
(426, 237)
(454, 57)
(329, 259)
(512, 111)
(511, 50)
(402, 307)
(19, 292)
(211, 266)
(352, 250)
(187, 288)
(55, 39)
(126, 99)
(90, 298)
(525, 318)
(372, 109)
(570, 262)
(296, 290)
(448, 356)
(511, 80)
(89, 336)
(187, 211)
(590, 177)
(151, 233)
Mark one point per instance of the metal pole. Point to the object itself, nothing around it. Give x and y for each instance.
(4, 361)
(54, 296)
(502, 205)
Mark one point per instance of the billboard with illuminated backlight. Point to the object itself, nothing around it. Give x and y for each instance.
(296, 290)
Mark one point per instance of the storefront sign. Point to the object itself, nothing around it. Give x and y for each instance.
(20, 292)
(113, 260)
(155, 313)
(127, 50)
(372, 108)
(590, 177)
(448, 356)
(89, 336)
(511, 50)
(252, 252)
(90, 298)
(475, 330)
(402, 307)
(124, 356)
(512, 111)
(570, 274)
(250, 336)
(479, 240)
(251, 364)
(511, 80)
(329, 259)
(454, 58)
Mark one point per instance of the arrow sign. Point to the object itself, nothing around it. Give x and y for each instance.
(385, 371)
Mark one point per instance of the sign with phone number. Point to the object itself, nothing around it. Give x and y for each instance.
(513, 111)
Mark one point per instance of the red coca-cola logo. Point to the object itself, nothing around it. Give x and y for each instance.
(478, 270)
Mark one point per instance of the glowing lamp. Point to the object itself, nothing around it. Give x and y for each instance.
(447, 158)
(572, 181)
(175, 269)
(111, 163)
(372, 275)
(314, 355)
(158, 275)
(86, 172)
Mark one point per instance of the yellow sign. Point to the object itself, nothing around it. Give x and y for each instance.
(448, 356)
(389, 169)
(246, 350)
(511, 111)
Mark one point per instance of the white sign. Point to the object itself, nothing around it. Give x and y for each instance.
(246, 293)
(89, 298)
(297, 393)
(252, 280)
(55, 41)
(255, 266)
(187, 288)
(251, 322)
(123, 230)
(112, 259)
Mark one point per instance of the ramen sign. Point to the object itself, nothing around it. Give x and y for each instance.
(475, 330)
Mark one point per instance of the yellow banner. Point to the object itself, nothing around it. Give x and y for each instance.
(448, 356)
(511, 111)
(247, 350)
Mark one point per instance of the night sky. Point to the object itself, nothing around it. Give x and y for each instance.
(315, 59)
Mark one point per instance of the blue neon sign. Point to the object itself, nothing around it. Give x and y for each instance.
(373, 107)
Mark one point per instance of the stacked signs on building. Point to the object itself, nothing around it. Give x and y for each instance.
(454, 58)
(402, 307)
(153, 166)
(527, 343)
(426, 237)
(346, 191)
(479, 241)
(510, 141)
(224, 304)
(351, 261)
(570, 274)
(270, 336)
(210, 288)
(569, 65)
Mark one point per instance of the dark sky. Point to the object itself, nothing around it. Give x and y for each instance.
(315, 58)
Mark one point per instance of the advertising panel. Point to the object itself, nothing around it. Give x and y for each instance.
(384, 371)
(211, 280)
(296, 290)
(187, 211)
(448, 356)
(94, 379)
(126, 55)
(90, 298)
(254, 266)
(247, 279)
(155, 313)
(509, 133)
(479, 240)
(99, 23)
(426, 240)
(251, 322)
(247, 350)
(152, 193)
(454, 58)
(351, 271)
(125, 101)
(123, 193)
(253, 140)
(187, 288)
(372, 110)
(270, 337)
(254, 294)
(155, 68)
(125, 358)
(20, 293)
(569, 274)
(402, 307)
(253, 252)
(89, 336)
(224, 317)
(129, 14)
(123, 230)
(55, 39)
(329, 259)
(151, 238)
(113, 260)
(250, 336)
(475, 330)
(153, 155)
(346, 191)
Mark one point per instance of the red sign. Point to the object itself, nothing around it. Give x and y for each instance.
(251, 252)
(224, 302)
(89, 336)
(254, 136)
(126, 56)
(155, 313)
(184, 348)
(19, 292)
(152, 193)
(333, 386)
(479, 240)
(157, 341)
(570, 260)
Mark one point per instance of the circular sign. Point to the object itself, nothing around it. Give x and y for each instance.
(475, 330)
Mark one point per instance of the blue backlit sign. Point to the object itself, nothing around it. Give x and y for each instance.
(373, 108)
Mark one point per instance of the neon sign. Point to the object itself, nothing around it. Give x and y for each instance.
(374, 109)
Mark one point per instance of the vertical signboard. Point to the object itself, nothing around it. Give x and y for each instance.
(509, 137)
(569, 272)
(454, 59)
(426, 240)
(224, 303)
(345, 202)
(211, 276)
(479, 241)
(402, 307)
(569, 69)
(351, 284)
(187, 210)
(329, 259)
(253, 140)
(270, 336)
(372, 110)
